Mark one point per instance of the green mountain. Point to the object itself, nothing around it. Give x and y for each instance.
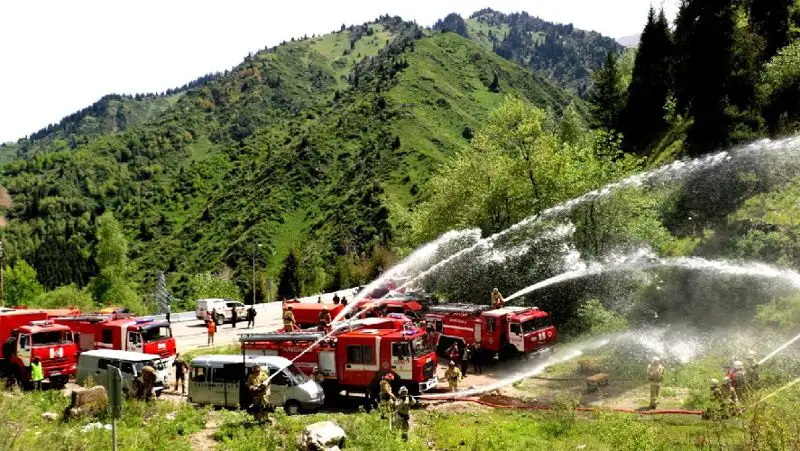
(565, 55)
(316, 145)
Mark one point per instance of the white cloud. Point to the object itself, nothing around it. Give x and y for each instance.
(57, 57)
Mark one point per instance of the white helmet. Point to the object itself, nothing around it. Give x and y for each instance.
(726, 381)
(714, 383)
(656, 359)
(738, 365)
(403, 391)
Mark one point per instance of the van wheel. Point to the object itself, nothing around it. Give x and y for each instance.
(220, 319)
(292, 407)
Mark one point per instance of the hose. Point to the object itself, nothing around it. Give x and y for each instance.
(580, 409)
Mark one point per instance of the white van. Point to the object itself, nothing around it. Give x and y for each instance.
(93, 364)
(221, 380)
(224, 308)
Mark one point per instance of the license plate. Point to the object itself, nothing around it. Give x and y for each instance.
(55, 373)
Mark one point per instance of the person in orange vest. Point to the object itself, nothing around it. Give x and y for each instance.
(212, 329)
(324, 319)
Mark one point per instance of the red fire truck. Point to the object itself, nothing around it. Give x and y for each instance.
(122, 332)
(357, 354)
(307, 314)
(507, 331)
(27, 334)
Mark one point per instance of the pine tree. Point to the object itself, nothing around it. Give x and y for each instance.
(704, 37)
(643, 119)
(606, 98)
(289, 284)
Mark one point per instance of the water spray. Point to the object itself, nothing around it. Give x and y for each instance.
(779, 349)
(788, 385)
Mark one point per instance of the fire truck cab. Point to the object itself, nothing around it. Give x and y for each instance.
(507, 331)
(357, 355)
(123, 333)
(28, 334)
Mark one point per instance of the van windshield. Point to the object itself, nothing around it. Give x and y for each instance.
(52, 338)
(296, 375)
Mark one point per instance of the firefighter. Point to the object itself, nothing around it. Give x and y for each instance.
(729, 392)
(751, 366)
(454, 353)
(180, 373)
(497, 299)
(324, 319)
(477, 358)
(336, 299)
(740, 379)
(453, 376)
(431, 335)
(465, 359)
(655, 375)
(403, 406)
(716, 393)
(258, 384)
(344, 301)
(289, 324)
(37, 373)
(149, 377)
(386, 396)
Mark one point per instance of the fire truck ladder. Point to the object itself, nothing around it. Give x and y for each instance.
(281, 336)
(470, 309)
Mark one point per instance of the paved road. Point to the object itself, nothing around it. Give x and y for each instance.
(192, 334)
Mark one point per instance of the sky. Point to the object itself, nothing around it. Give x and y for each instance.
(58, 56)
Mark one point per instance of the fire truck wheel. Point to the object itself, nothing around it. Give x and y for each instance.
(292, 407)
(507, 352)
(220, 319)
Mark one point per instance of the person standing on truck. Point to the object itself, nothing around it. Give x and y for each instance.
(180, 373)
(258, 384)
(324, 319)
(403, 406)
(453, 376)
(37, 373)
(336, 298)
(251, 317)
(319, 299)
(497, 299)
(655, 375)
(344, 301)
(289, 323)
(454, 353)
(386, 396)
(212, 329)
(234, 317)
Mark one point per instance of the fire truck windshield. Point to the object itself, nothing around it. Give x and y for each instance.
(156, 334)
(536, 324)
(420, 347)
(59, 337)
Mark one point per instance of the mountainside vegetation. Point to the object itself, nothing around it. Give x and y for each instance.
(317, 145)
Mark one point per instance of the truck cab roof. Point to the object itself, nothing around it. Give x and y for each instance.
(116, 354)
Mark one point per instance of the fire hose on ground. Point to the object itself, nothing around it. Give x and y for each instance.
(579, 409)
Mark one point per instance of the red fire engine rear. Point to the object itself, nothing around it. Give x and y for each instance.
(124, 333)
(506, 331)
(355, 357)
(26, 335)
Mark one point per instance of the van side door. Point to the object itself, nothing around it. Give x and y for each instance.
(198, 384)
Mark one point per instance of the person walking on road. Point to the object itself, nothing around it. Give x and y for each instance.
(212, 329)
(167, 311)
(234, 317)
(465, 360)
(37, 373)
(251, 317)
(476, 358)
(180, 373)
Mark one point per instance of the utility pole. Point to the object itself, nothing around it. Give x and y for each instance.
(254, 271)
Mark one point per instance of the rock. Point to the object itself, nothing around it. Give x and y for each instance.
(321, 436)
(171, 416)
(50, 416)
(93, 426)
(87, 401)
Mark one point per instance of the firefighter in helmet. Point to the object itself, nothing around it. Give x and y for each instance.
(386, 396)
(453, 376)
(324, 319)
(258, 384)
(317, 375)
(497, 299)
(655, 375)
(403, 406)
(751, 367)
(740, 379)
(289, 323)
